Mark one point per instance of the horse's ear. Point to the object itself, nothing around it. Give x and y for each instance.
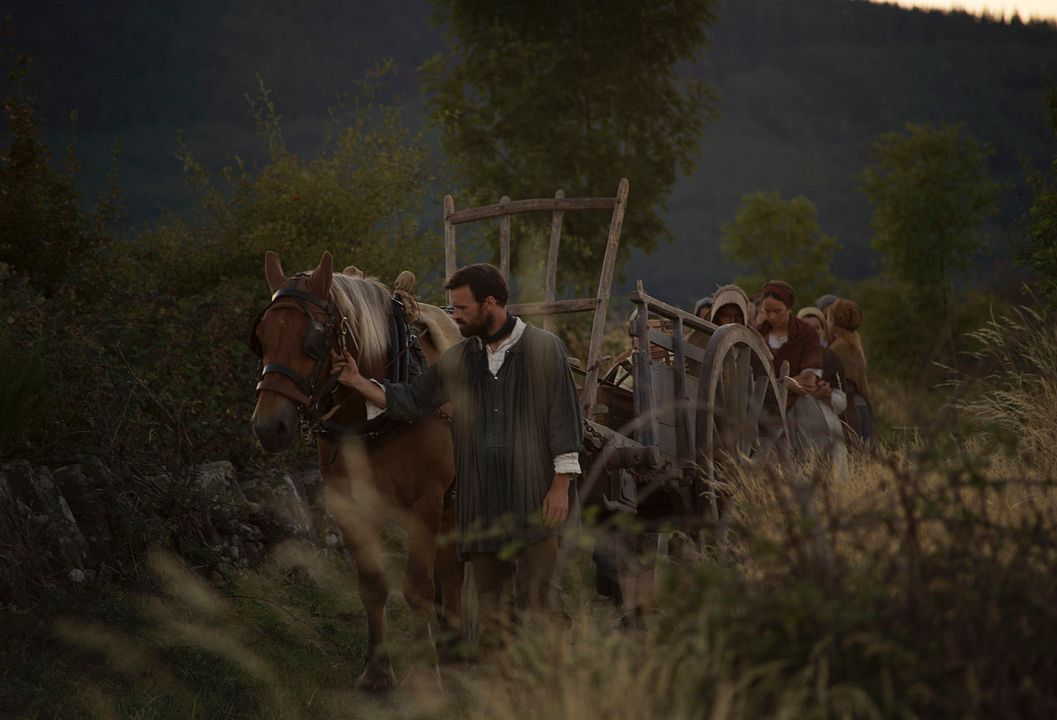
(321, 277)
(405, 281)
(353, 271)
(273, 271)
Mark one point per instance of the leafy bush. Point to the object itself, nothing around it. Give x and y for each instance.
(903, 339)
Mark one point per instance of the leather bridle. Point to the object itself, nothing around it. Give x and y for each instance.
(327, 331)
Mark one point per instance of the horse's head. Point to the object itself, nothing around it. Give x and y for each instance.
(293, 337)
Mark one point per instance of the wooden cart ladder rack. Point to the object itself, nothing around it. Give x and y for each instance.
(557, 206)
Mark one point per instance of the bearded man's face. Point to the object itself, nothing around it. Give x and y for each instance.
(471, 316)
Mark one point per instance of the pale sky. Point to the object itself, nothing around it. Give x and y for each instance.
(1043, 9)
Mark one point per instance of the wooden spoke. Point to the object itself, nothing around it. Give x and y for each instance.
(745, 433)
(759, 394)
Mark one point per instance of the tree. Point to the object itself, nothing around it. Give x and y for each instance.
(45, 234)
(1038, 248)
(537, 96)
(780, 239)
(361, 196)
(931, 193)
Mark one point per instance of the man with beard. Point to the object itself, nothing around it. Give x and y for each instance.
(517, 434)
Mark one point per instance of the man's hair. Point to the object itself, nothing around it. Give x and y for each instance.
(483, 280)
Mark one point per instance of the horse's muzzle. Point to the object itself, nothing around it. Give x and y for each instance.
(276, 428)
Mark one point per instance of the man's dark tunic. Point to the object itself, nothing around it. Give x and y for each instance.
(506, 430)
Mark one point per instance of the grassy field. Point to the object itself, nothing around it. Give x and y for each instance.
(814, 606)
(917, 582)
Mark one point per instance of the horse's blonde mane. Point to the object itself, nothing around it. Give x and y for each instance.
(364, 302)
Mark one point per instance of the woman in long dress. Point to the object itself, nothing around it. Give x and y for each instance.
(790, 339)
(812, 423)
(845, 318)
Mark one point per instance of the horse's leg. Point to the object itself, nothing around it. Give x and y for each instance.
(363, 537)
(378, 675)
(423, 523)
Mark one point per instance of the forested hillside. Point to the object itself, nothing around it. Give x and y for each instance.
(804, 89)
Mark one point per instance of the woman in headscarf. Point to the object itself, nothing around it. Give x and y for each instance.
(790, 339)
(845, 320)
(703, 307)
(813, 425)
(830, 387)
(730, 305)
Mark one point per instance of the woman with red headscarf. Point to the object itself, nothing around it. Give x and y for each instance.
(813, 424)
(790, 339)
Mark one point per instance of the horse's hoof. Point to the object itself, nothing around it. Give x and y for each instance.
(376, 679)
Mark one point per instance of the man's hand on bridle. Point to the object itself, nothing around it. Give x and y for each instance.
(345, 367)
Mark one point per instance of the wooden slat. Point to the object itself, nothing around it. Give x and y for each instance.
(605, 287)
(558, 307)
(662, 385)
(522, 206)
(449, 238)
(732, 397)
(742, 372)
(759, 393)
(684, 452)
(659, 307)
(644, 402)
(664, 340)
(551, 278)
(504, 241)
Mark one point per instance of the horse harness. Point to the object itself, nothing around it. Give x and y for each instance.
(329, 331)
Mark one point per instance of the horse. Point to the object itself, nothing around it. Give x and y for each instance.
(366, 473)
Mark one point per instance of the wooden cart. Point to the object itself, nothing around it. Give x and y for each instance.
(692, 400)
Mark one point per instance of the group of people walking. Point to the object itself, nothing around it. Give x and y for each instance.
(820, 343)
(517, 430)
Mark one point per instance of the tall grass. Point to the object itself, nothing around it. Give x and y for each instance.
(917, 582)
(910, 589)
(1019, 395)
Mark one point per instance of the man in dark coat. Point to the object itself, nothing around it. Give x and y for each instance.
(517, 434)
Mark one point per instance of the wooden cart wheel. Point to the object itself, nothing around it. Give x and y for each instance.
(740, 415)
